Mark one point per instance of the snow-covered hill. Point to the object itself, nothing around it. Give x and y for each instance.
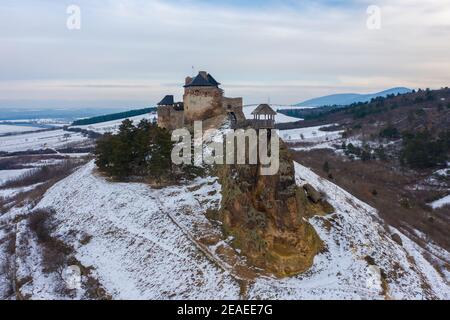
(146, 243)
(40, 140)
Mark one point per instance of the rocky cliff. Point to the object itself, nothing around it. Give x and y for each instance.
(266, 216)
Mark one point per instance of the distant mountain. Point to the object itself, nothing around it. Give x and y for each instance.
(349, 98)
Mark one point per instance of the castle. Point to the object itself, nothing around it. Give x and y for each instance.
(202, 99)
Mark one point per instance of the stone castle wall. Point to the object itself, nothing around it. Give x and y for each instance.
(234, 105)
(169, 118)
(201, 103)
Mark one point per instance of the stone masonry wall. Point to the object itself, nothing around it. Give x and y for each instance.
(201, 103)
(170, 118)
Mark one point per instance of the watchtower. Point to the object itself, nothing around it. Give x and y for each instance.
(263, 117)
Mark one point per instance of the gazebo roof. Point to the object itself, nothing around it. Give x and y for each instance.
(264, 109)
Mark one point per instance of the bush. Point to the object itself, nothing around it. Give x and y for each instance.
(39, 224)
(381, 153)
(54, 252)
(326, 167)
(365, 155)
(352, 150)
(390, 132)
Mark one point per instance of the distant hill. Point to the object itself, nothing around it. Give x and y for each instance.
(349, 98)
(415, 111)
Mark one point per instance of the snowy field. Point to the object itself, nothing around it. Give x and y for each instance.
(113, 126)
(6, 175)
(441, 202)
(8, 128)
(40, 140)
(309, 134)
(38, 121)
(279, 118)
(9, 193)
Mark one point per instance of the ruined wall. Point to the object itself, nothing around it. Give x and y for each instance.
(201, 103)
(234, 105)
(170, 118)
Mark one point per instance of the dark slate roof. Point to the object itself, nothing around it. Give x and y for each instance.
(212, 80)
(264, 109)
(201, 81)
(166, 101)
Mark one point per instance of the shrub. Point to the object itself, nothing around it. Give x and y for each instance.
(390, 132)
(38, 222)
(380, 153)
(54, 252)
(326, 167)
(365, 155)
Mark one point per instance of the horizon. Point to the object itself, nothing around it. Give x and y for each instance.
(125, 107)
(132, 53)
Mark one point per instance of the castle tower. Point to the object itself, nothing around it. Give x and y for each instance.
(170, 114)
(202, 98)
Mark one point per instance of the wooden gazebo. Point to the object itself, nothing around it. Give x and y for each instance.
(263, 117)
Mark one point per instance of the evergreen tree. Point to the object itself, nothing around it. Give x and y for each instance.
(326, 167)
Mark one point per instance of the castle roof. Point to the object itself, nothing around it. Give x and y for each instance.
(203, 79)
(166, 101)
(264, 109)
(212, 80)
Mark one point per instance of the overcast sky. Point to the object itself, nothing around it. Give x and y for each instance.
(132, 52)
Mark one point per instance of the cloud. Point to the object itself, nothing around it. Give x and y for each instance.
(289, 50)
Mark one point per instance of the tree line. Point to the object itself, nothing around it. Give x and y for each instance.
(113, 116)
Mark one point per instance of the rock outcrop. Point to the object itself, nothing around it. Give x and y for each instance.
(266, 215)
